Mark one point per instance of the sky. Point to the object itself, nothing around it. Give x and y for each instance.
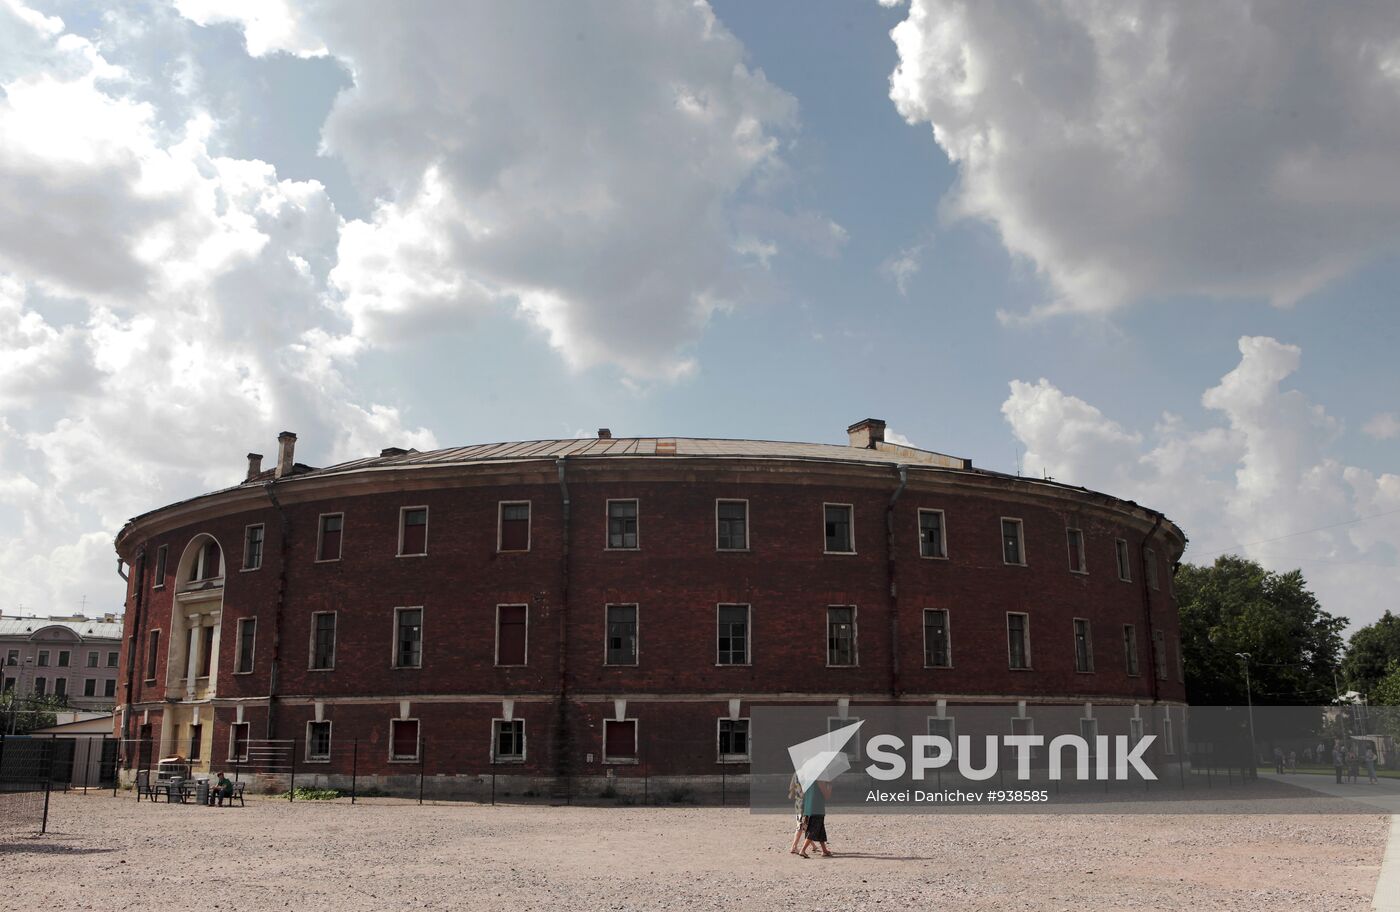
(1149, 249)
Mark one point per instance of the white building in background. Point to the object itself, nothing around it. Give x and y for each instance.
(75, 657)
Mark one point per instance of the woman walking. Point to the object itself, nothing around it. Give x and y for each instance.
(795, 796)
(814, 806)
(1371, 763)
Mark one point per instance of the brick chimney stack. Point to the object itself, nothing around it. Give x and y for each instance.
(604, 434)
(867, 433)
(254, 465)
(286, 448)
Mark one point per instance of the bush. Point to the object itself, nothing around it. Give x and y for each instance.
(609, 791)
(301, 793)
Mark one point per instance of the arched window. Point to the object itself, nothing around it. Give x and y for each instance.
(207, 564)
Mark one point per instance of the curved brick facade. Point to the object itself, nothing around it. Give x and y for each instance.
(255, 664)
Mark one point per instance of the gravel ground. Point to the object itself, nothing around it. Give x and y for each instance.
(105, 853)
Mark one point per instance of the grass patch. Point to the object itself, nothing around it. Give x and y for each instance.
(301, 793)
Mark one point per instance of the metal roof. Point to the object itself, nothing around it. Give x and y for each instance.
(88, 629)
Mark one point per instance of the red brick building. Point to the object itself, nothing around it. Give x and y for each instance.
(563, 608)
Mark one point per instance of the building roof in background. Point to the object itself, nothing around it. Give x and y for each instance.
(87, 628)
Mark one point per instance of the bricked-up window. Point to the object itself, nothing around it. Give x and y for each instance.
(839, 539)
(1130, 652)
(158, 582)
(1013, 550)
(732, 525)
(318, 740)
(403, 739)
(1018, 639)
(733, 740)
(111, 660)
(841, 635)
(1159, 654)
(328, 538)
(1150, 559)
(515, 527)
(1125, 566)
(622, 524)
(508, 740)
(90, 687)
(92, 660)
(932, 542)
(511, 642)
(1083, 646)
(323, 640)
(247, 640)
(408, 637)
(1075, 539)
(413, 531)
(196, 740)
(152, 654)
(252, 547)
(208, 563)
(733, 634)
(937, 646)
(109, 687)
(620, 741)
(238, 741)
(622, 635)
(64, 657)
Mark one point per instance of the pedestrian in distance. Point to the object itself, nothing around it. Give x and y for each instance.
(1353, 764)
(1371, 763)
(814, 806)
(795, 796)
(1338, 761)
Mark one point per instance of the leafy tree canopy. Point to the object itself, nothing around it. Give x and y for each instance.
(1374, 648)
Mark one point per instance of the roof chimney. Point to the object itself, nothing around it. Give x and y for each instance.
(392, 451)
(286, 446)
(604, 434)
(254, 466)
(867, 433)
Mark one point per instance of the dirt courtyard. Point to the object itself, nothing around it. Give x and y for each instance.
(105, 853)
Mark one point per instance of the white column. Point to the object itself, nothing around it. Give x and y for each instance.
(193, 664)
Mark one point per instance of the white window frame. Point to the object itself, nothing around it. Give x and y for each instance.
(238, 646)
(114, 657)
(1134, 731)
(497, 655)
(947, 633)
(748, 525)
(720, 756)
(524, 742)
(636, 743)
(417, 743)
(93, 657)
(1088, 644)
(748, 634)
(1020, 540)
(1026, 629)
(855, 636)
(233, 741)
(636, 633)
(320, 534)
(394, 645)
(850, 527)
(942, 532)
(152, 660)
(262, 546)
(162, 565)
(1083, 556)
(1091, 740)
(1030, 730)
(952, 730)
(1124, 556)
(852, 748)
(403, 518)
(330, 741)
(607, 523)
(311, 641)
(1168, 735)
(529, 526)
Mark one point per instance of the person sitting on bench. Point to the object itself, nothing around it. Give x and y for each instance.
(223, 789)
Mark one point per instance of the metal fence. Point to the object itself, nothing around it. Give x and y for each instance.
(26, 779)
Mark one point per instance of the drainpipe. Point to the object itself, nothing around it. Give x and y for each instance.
(283, 547)
(1147, 611)
(562, 738)
(134, 644)
(894, 586)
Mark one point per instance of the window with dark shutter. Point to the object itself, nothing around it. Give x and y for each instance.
(510, 635)
(620, 740)
(152, 654)
(413, 531)
(238, 741)
(936, 652)
(515, 527)
(404, 736)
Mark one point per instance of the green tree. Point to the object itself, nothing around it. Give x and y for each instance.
(1235, 606)
(1373, 650)
(21, 715)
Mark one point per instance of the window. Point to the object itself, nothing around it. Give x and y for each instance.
(60, 687)
(733, 634)
(64, 656)
(161, 553)
(1089, 731)
(1149, 557)
(1168, 740)
(1125, 567)
(109, 687)
(1134, 731)
(1159, 654)
(1024, 725)
(1076, 551)
(152, 654)
(238, 741)
(622, 524)
(852, 747)
(512, 631)
(252, 547)
(9, 684)
(1083, 646)
(111, 660)
(944, 727)
(841, 635)
(328, 537)
(932, 542)
(508, 740)
(413, 531)
(90, 687)
(408, 637)
(43, 658)
(196, 737)
(733, 740)
(208, 563)
(622, 635)
(206, 650)
(403, 739)
(732, 525)
(92, 660)
(1130, 653)
(839, 539)
(515, 527)
(1018, 639)
(41, 686)
(1012, 545)
(322, 641)
(318, 741)
(247, 642)
(937, 652)
(12, 658)
(620, 741)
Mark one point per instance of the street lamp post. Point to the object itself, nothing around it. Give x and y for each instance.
(1249, 700)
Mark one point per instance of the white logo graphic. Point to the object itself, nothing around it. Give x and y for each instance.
(823, 758)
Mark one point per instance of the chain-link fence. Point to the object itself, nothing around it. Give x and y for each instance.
(26, 779)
